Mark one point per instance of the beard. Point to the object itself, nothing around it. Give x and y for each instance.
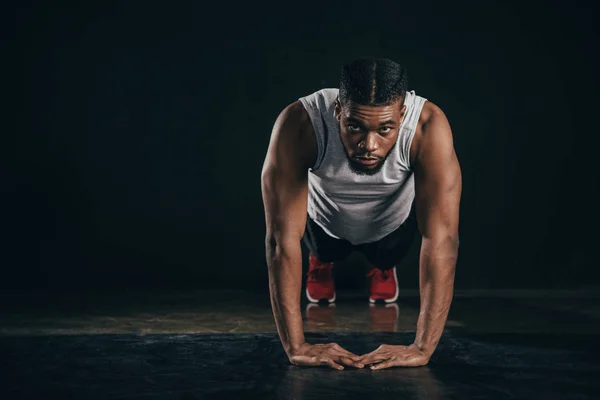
(359, 169)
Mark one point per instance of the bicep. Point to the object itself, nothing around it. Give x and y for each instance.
(438, 181)
(284, 179)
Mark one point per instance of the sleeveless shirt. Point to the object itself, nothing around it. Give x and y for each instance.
(349, 206)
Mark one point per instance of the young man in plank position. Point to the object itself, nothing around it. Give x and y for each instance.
(361, 168)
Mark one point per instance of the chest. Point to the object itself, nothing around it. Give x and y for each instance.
(340, 182)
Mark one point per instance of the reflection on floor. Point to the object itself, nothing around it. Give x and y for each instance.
(146, 312)
(196, 345)
(382, 317)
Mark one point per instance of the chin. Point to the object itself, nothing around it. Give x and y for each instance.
(362, 170)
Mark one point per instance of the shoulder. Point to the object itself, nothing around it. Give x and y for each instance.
(294, 119)
(294, 113)
(294, 133)
(430, 113)
(433, 126)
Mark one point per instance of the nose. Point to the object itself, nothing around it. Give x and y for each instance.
(370, 143)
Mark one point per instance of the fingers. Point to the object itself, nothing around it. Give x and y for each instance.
(331, 355)
(345, 352)
(401, 362)
(350, 363)
(348, 359)
(375, 358)
(384, 364)
(329, 362)
(378, 356)
(336, 357)
(380, 363)
(377, 351)
(343, 356)
(336, 362)
(352, 356)
(304, 361)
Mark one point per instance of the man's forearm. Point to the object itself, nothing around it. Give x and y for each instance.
(285, 284)
(436, 280)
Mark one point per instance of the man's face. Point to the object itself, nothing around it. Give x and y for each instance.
(369, 133)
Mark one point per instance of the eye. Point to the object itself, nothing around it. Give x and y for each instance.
(386, 129)
(353, 127)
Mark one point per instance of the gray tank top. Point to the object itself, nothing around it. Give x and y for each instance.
(358, 208)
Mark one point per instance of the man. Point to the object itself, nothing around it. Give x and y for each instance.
(356, 160)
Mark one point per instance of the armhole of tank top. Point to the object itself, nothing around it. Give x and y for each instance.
(321, 141)
(321, 136)
(420, 102)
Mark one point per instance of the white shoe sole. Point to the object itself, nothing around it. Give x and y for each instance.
(317, 300)
(393, 299)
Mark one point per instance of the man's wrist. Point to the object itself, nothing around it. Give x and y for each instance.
(293, 348)
(425, 349)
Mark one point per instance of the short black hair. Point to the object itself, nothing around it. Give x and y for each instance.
(372, 82)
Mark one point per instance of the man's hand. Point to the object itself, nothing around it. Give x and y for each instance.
(331, 354)
(386, 356)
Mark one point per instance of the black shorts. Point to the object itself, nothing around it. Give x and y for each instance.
(384, 254)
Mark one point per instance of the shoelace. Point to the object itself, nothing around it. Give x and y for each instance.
(379, 275)
(319, 273)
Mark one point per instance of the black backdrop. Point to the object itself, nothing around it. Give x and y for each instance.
(136, 134)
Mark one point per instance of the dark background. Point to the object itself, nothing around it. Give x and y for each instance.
(136, 134)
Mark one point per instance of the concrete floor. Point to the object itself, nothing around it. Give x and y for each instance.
(223, 345)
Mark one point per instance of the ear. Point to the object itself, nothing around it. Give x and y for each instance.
(402, 112)
(337, 109)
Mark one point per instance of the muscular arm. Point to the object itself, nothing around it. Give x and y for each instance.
(292, 150)
(438, 186)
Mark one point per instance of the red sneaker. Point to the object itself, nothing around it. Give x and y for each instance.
(319, 281)
(383, 286)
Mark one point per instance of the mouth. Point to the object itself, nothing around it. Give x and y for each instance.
(367, 161)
